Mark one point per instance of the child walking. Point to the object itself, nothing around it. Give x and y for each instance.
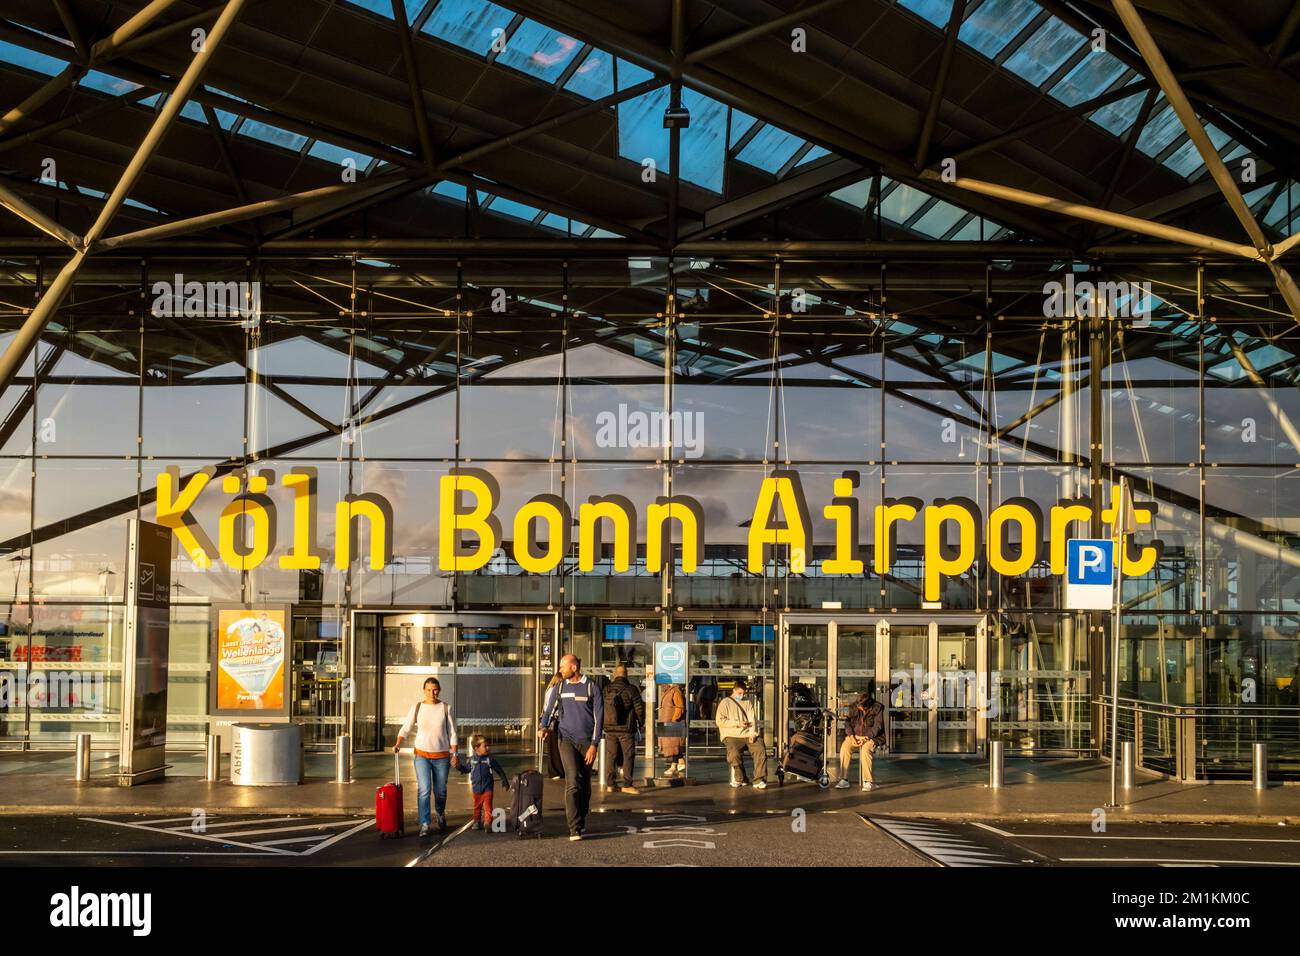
(480, 768)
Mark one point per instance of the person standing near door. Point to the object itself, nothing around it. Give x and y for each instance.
(581, 711)
(624, 715)
(739, 730)
(435, 751)
(672, 728)
(864, 731)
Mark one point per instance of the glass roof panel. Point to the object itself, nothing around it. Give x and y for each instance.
(468, 23)
(771, 149)
(594, 78)
(336, 154)
(902, 203)
(1091, 76)
(741, 123)
(855, 194)
(273, 135)
(451, 190)
(641, 133)
(1186, 159)
(815, 153)
(969, 232)
(938, 219)
(629, 74)
(1118, 118)
(539, 51)
(1279, 215)
(385, 9)
(516, 210)
(104, 83)
(1043, 53)
(1161, 130)
(704, 150)
(995, 23)
(30, 59)
(936, 11)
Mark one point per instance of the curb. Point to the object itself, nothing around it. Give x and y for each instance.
(1119, 815)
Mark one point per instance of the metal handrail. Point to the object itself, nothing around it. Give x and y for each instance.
(1196, 741)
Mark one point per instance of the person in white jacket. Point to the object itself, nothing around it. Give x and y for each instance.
(739, 730)
(435, 750)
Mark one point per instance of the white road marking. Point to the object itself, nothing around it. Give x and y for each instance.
(232, 823)
(1156, 859)
(441, 843)
(1115, 836)
(152, 823)
(941, 844)
(321, 834)
(125, 853)
(344, 835)
(194, 836)
(259, 830)
(665, 844)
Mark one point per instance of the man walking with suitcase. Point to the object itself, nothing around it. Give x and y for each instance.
(578, 709)
(624, 713)
(739, 730)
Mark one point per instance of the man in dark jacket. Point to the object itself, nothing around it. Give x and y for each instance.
(864, 731)
(624, 714)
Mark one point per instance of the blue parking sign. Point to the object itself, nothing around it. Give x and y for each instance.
(1090, 561)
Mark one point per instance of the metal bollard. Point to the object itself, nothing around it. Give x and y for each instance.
(995, 764)
(82, 767)
(1127, 750)
(1259, 765)
(343, 759)
(212, 758)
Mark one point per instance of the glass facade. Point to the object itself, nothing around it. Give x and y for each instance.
(918, 380)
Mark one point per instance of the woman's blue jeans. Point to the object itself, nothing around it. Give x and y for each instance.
(431, 774)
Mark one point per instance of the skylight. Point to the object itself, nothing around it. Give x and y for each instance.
(473, 25)
(539, 51)
(1024, 40)
(594, 78)
(1044, 52)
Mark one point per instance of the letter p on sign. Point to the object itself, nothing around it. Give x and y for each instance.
(1089, 573)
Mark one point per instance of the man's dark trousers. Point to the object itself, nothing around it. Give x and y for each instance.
(577, 784)
(620, 746)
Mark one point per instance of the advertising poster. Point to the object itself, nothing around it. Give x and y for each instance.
(248, 661)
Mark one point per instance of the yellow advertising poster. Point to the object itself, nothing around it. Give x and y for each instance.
(248, 660)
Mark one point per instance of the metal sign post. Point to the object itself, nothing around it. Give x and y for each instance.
(1125, 523)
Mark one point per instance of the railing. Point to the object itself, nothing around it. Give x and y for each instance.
(1202, 742)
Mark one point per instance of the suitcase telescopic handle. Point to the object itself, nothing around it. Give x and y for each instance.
(397, 768)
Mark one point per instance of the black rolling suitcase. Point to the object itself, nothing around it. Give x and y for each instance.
(803, 756)
(526, 803)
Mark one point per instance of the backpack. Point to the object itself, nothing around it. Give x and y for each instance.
(618, 712)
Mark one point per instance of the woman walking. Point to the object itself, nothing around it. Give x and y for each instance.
(435, 750)
(553, 740)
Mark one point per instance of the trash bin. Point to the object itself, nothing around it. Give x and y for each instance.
(266, 755)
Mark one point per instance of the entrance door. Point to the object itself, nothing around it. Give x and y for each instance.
(926, 671)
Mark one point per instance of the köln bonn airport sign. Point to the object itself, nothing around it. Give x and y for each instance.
(470, 529)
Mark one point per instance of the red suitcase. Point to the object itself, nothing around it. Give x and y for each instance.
(389, 817)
